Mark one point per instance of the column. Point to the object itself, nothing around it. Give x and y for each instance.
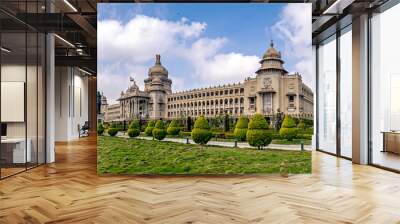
(50, 96)
(360, 90)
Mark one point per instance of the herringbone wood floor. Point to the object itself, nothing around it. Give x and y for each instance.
(69, 191)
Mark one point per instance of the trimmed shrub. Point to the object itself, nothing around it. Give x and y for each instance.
(134, 125)
(149, 128)
(241, 128)
(100, 129)
(201, 133)
(257, 134)
(288, 130)
(301, 125)
(159, 132)
(173, 128)
(112, 131)
(133, 132)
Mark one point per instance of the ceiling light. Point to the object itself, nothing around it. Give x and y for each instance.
(70, 5)
(84, 71)
(65, 41)
(338, 6)
(5, 50)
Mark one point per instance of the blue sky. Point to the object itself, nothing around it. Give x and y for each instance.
(200, 44)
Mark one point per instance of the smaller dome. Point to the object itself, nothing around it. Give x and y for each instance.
(272, 52)
(158, 68)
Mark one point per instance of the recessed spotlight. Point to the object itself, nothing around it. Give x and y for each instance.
(64, 40)
(5, 50)
(84, 71)
(70, 5)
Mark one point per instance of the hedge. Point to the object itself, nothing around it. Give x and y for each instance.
(159, 132)
(288, 130)
(257, 134)
(304, 136)
(229, 135)
(185, 133)
(201, 133)
(100, 129)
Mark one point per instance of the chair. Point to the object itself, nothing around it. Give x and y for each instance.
(84, 130)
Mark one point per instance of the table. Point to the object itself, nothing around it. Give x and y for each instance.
(13, 150)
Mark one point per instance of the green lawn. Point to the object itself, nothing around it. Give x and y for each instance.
(136, 156)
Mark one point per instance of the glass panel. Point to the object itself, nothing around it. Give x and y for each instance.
(13, 87)
(346, 92)
(327, 95)
(41, 98)
(385, 84)
(31, 98)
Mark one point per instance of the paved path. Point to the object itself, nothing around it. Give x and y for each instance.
(231, 144)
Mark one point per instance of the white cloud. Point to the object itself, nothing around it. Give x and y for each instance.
(127, 49)
(143, 37)
(226, 68)
(294, 29)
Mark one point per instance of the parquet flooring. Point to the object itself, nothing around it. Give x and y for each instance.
(69, 191)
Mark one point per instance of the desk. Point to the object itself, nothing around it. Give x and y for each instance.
(13, 150)
(391, 142)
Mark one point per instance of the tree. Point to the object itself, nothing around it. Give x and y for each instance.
(288, 130)
(134, 129)
(159, 132)
(226, 122)
(201, 133)
(257, 133)
(241, 128)
(149, 128)
(173, 128)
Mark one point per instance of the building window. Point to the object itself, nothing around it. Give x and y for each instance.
(291, 99)
(385, 88)
(346, 92)
(327, 95)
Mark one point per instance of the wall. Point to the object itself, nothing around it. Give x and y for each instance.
(71, 102)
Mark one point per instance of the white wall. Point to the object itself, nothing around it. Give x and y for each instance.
(71, 102)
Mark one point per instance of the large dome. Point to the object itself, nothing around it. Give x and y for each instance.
(272, 52)
(158, 69)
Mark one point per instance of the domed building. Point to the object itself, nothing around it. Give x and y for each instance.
(272, 91)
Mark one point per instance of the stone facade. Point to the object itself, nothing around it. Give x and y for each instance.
(112, 113)
(273, 90)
